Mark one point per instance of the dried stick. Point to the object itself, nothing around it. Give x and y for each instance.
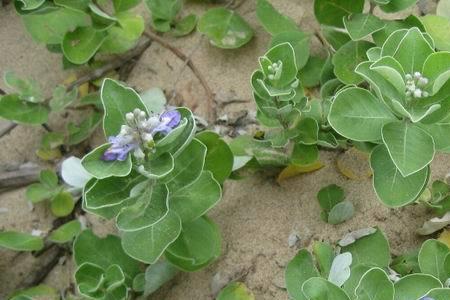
(45, 265)
(18, 178)
(209, 94)
(112, 65)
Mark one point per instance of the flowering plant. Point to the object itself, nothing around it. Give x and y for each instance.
(360, 267)
(157, 179)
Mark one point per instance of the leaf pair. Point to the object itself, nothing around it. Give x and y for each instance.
(334, 209)
(61, 201)
(164, 17)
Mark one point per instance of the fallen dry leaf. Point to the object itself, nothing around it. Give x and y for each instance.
(354, 164)
(294, 170)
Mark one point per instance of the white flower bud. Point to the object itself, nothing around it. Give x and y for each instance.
(139, 154)
(408, 77)
(418, 93)
(422, 81)
(425, 94)
(129, 116)
(417, 75)
(271, 77)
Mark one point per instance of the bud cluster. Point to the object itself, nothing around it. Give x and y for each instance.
(275, 70)
(415, 85)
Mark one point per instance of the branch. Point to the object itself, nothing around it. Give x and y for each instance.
(45, 265)
(209, 94)
(18, 178)
(112, 65)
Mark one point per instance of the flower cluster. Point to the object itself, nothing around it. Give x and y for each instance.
(415, 84)
(275, 70)
(139, 133)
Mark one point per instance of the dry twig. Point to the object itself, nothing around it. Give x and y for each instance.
(18, 178)
(209, 93)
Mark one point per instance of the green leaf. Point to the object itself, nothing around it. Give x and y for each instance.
(150, 208)
(391, 187)
(100, 169)
(124, 35)
(273, 21)
(50, 26)
(194, 200)
(235, 291)
(66, 232)
(409, 47)
(14, 109)
(104, 252)
(27, 89)
(165, 10)
(79, 5)
(62, 204)
(119, 190)
(320, 288)
(439, 293)
(285, 54)
(299, 270)
(79, 133)
(154, 100)
(30, 4)
(432, 256)
(298, 40)
(329, 196)
(185, 25)
(331, 12)
(439, 131)
(347, 58)
(439, 29)
(158, 274)
(324, 254)
(61, 98)
(304, 154)
(48, 178)
(148, 244)
(101, 20)
(38, 192)
(197, 246)
(312, 71)
(360, 26)
(225, 28)
(117, 101)
(341, 212)
(370, 250)
(123, 5)
(410, 147)
(358, 115)
(397, 5)
(20, 241)
(415, 286)
(36, 291)
(335, 38)
(375, 285)
(188, 166)
(80, 46)
(219, 158)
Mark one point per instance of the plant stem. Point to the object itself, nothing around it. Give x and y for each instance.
(209, 94)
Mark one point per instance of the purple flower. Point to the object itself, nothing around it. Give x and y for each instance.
(119, 149)
(168, 121)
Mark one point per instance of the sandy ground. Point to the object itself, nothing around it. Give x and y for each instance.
(256, 215)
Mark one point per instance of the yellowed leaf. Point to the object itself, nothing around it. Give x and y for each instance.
(50, 154)
(445, 237)
(294, 170)
(354, 164)
(69, 79)
(83, 89)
